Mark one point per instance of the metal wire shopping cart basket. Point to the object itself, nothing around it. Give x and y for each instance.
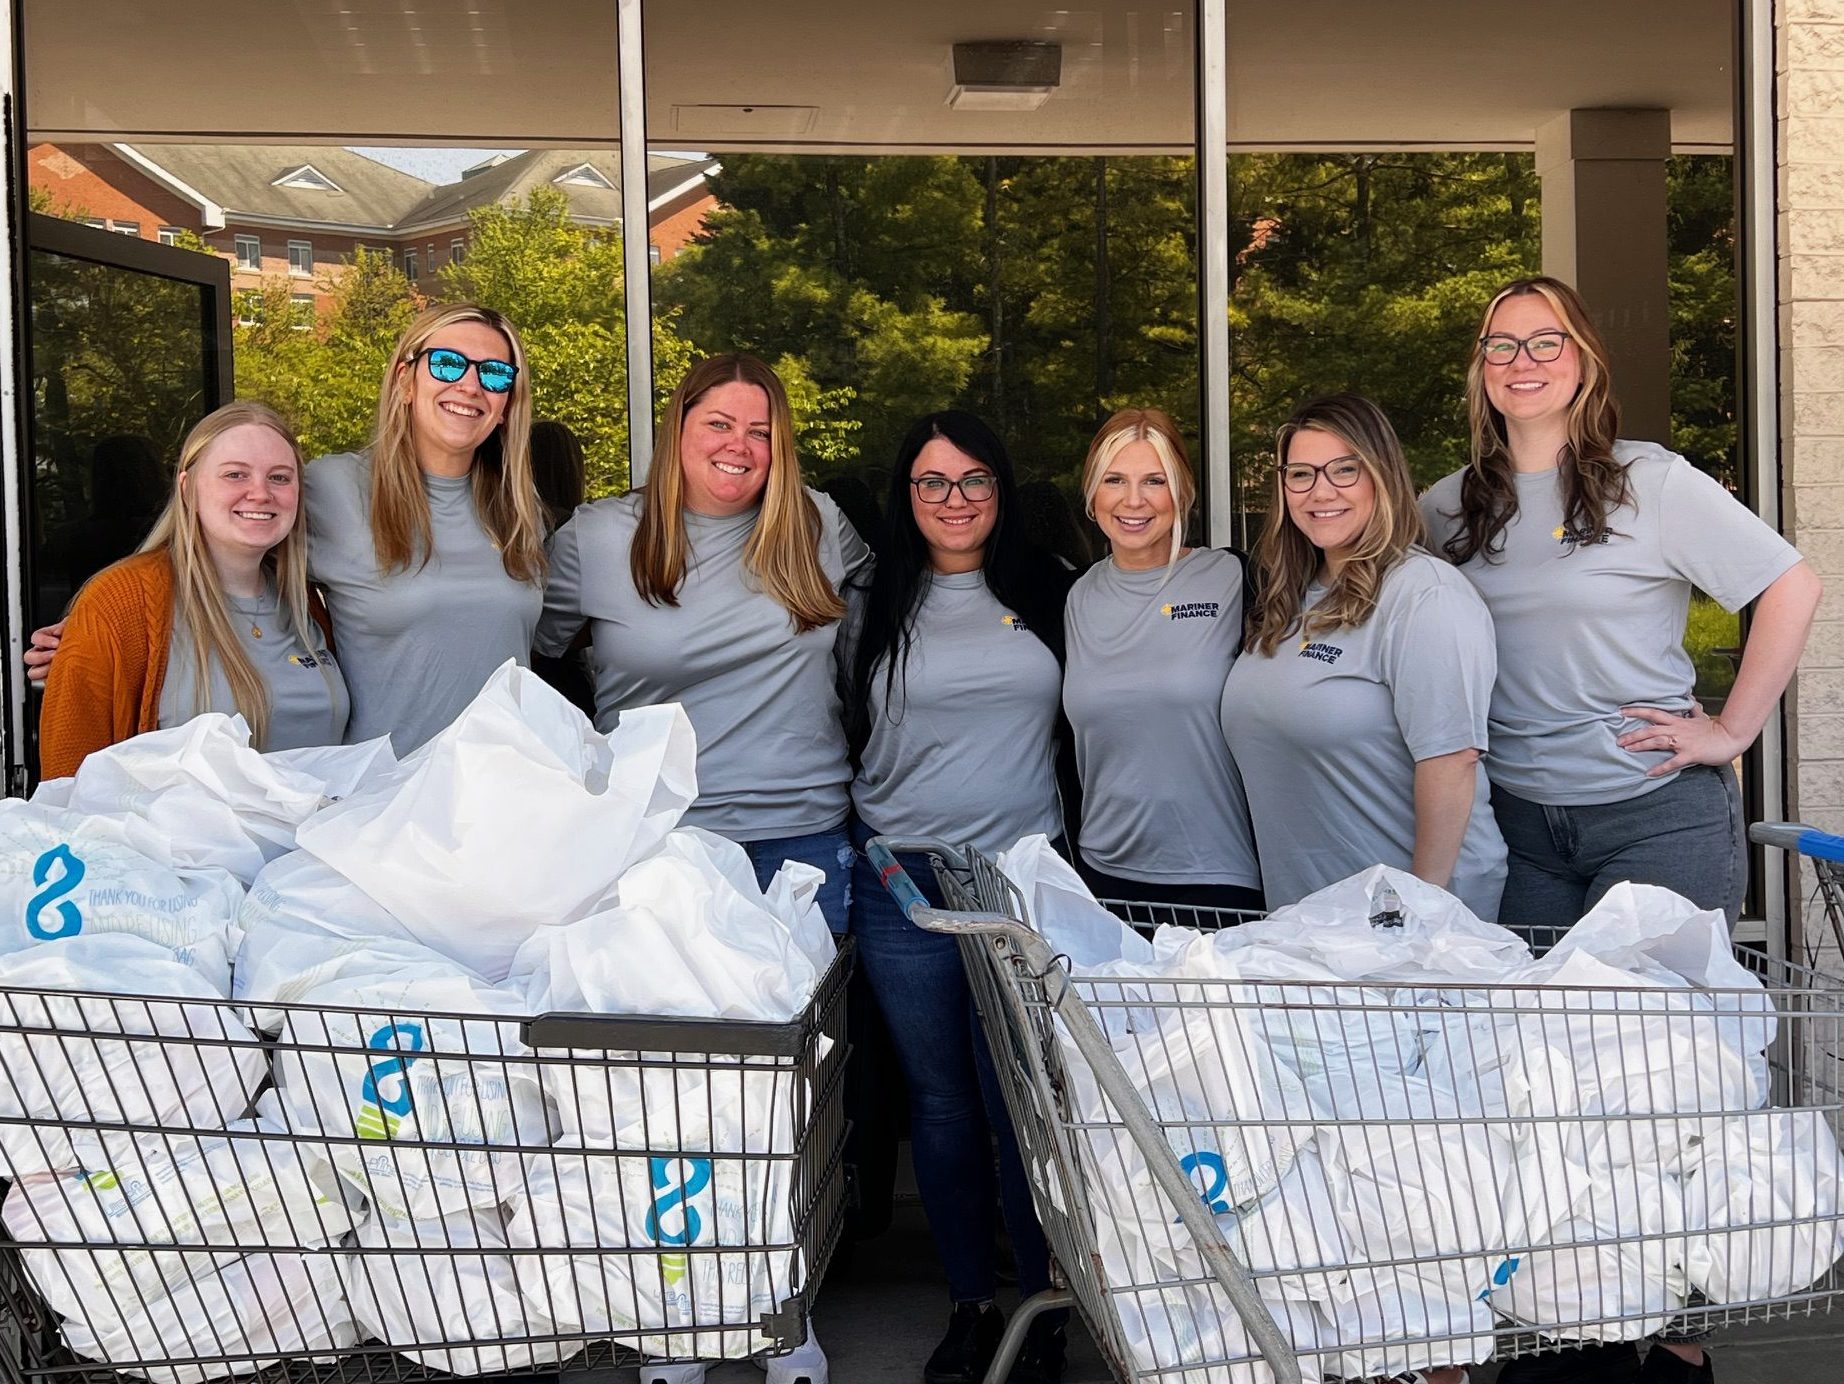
(368, 1195)
(1186, 1189)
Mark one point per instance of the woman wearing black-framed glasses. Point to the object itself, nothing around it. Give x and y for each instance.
(954, 667)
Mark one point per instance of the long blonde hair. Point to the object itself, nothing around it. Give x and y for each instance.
(199, 600)
(1594, 484)
(1156, 429)
(1288, 561)
(505, 497)
(782, 552)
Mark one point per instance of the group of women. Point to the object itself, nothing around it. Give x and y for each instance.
(1487, 687)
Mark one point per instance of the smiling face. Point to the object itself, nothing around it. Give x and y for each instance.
(1134, 507)
(725, 449)
(957, 529)
(1527, 392)
(449, 421)
(1331, 518)
(246, 487)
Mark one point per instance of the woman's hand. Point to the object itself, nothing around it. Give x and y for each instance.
(42, 650)
(1692, 738)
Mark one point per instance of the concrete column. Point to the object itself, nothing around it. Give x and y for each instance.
(1809, 56)
(1603, 175)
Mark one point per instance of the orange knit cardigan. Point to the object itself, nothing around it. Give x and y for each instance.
(105, 682)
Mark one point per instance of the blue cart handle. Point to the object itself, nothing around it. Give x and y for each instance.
(1794, 836)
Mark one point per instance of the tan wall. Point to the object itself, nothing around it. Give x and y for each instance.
(1810, 200)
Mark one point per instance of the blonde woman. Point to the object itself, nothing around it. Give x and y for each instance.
(430, 543)
(717, 585)
(1357, 712)
(212, 614)
(1585, 549)
(1152, 630)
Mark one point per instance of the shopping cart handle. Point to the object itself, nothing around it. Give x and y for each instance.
(1795, 836)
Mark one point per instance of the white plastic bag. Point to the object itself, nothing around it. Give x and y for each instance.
(234, 1190)
(182, 1061)
(1059, 905)
(67, 874)
(654, 1208)
(1762, 1204)
(282, 1306)
(214, 799)
(413, 1073)
(516, 817)
(422, 1292)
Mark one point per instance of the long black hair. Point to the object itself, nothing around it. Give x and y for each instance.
(1022, 577)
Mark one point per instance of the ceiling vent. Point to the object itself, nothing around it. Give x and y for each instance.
(1005, 75)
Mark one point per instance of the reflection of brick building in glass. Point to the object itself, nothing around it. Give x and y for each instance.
(299, 211)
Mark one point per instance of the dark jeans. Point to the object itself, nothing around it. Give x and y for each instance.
(955, 1105)
(830, 851)
(1686, 836)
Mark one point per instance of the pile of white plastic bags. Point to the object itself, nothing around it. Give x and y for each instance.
(1414, 1133)
(387, 927)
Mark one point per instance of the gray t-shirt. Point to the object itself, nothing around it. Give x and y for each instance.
(307, 696)
(1147, 656)
(763, 700)
(964, 748)
(419, 643)
(1327, 732)
(1585, 630)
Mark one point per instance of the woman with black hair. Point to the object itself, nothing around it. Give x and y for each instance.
(955, 676)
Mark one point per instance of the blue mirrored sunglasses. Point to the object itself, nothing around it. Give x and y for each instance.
(496, 376)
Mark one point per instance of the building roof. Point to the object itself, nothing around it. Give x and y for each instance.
(594, 191)
(273, 181)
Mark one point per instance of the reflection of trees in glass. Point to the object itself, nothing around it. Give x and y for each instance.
(113, 352)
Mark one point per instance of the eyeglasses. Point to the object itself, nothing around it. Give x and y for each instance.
(933, 490)
(1541, 348)
(496, 376)
(1342, 472)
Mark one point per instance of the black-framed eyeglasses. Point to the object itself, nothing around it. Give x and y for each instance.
(933, 490)
(1542, 347)
(1342, 472)
(495, 376)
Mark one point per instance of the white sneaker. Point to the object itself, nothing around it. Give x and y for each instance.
(805, 1364)
(653, 1372)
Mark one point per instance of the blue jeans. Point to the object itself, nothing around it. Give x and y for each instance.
(830, 851)
(1686, 836)
(955, 1105)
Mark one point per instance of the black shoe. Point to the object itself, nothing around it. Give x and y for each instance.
(1664, 1367)
(1614, 1362)
(972, 1339)
(1040, 1358)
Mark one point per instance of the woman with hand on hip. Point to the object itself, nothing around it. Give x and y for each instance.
(955, 679)
(213, 613)
(1152, 631)
(1357, 713)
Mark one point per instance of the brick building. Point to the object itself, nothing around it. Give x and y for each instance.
(299, 211)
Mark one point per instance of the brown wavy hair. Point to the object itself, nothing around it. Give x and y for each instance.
(1594, 484)
(198, 595)
(1156, 429)
(784, 550)
(505, 497)
(1287, 560)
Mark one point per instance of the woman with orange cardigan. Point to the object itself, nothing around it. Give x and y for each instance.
(212, 614)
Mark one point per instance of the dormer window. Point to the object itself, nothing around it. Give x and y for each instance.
(306, 178)
(584, 175)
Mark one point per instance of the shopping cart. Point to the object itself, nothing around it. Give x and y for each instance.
(1174, 1222)
(408, 1194)
(1826, 852)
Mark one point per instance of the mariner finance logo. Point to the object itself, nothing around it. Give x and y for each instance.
(1319, 651)
(1191, 610)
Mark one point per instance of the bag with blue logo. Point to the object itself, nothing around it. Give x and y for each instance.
(182, 1061)
(67, 874)
(432, 1056)
(423, 1288)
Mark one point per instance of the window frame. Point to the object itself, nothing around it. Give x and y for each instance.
(239, 243)
(297, 269)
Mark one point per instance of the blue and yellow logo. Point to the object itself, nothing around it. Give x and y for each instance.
(68, 917)
(380, 1114)
(1191, 610)
(677, 1198)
